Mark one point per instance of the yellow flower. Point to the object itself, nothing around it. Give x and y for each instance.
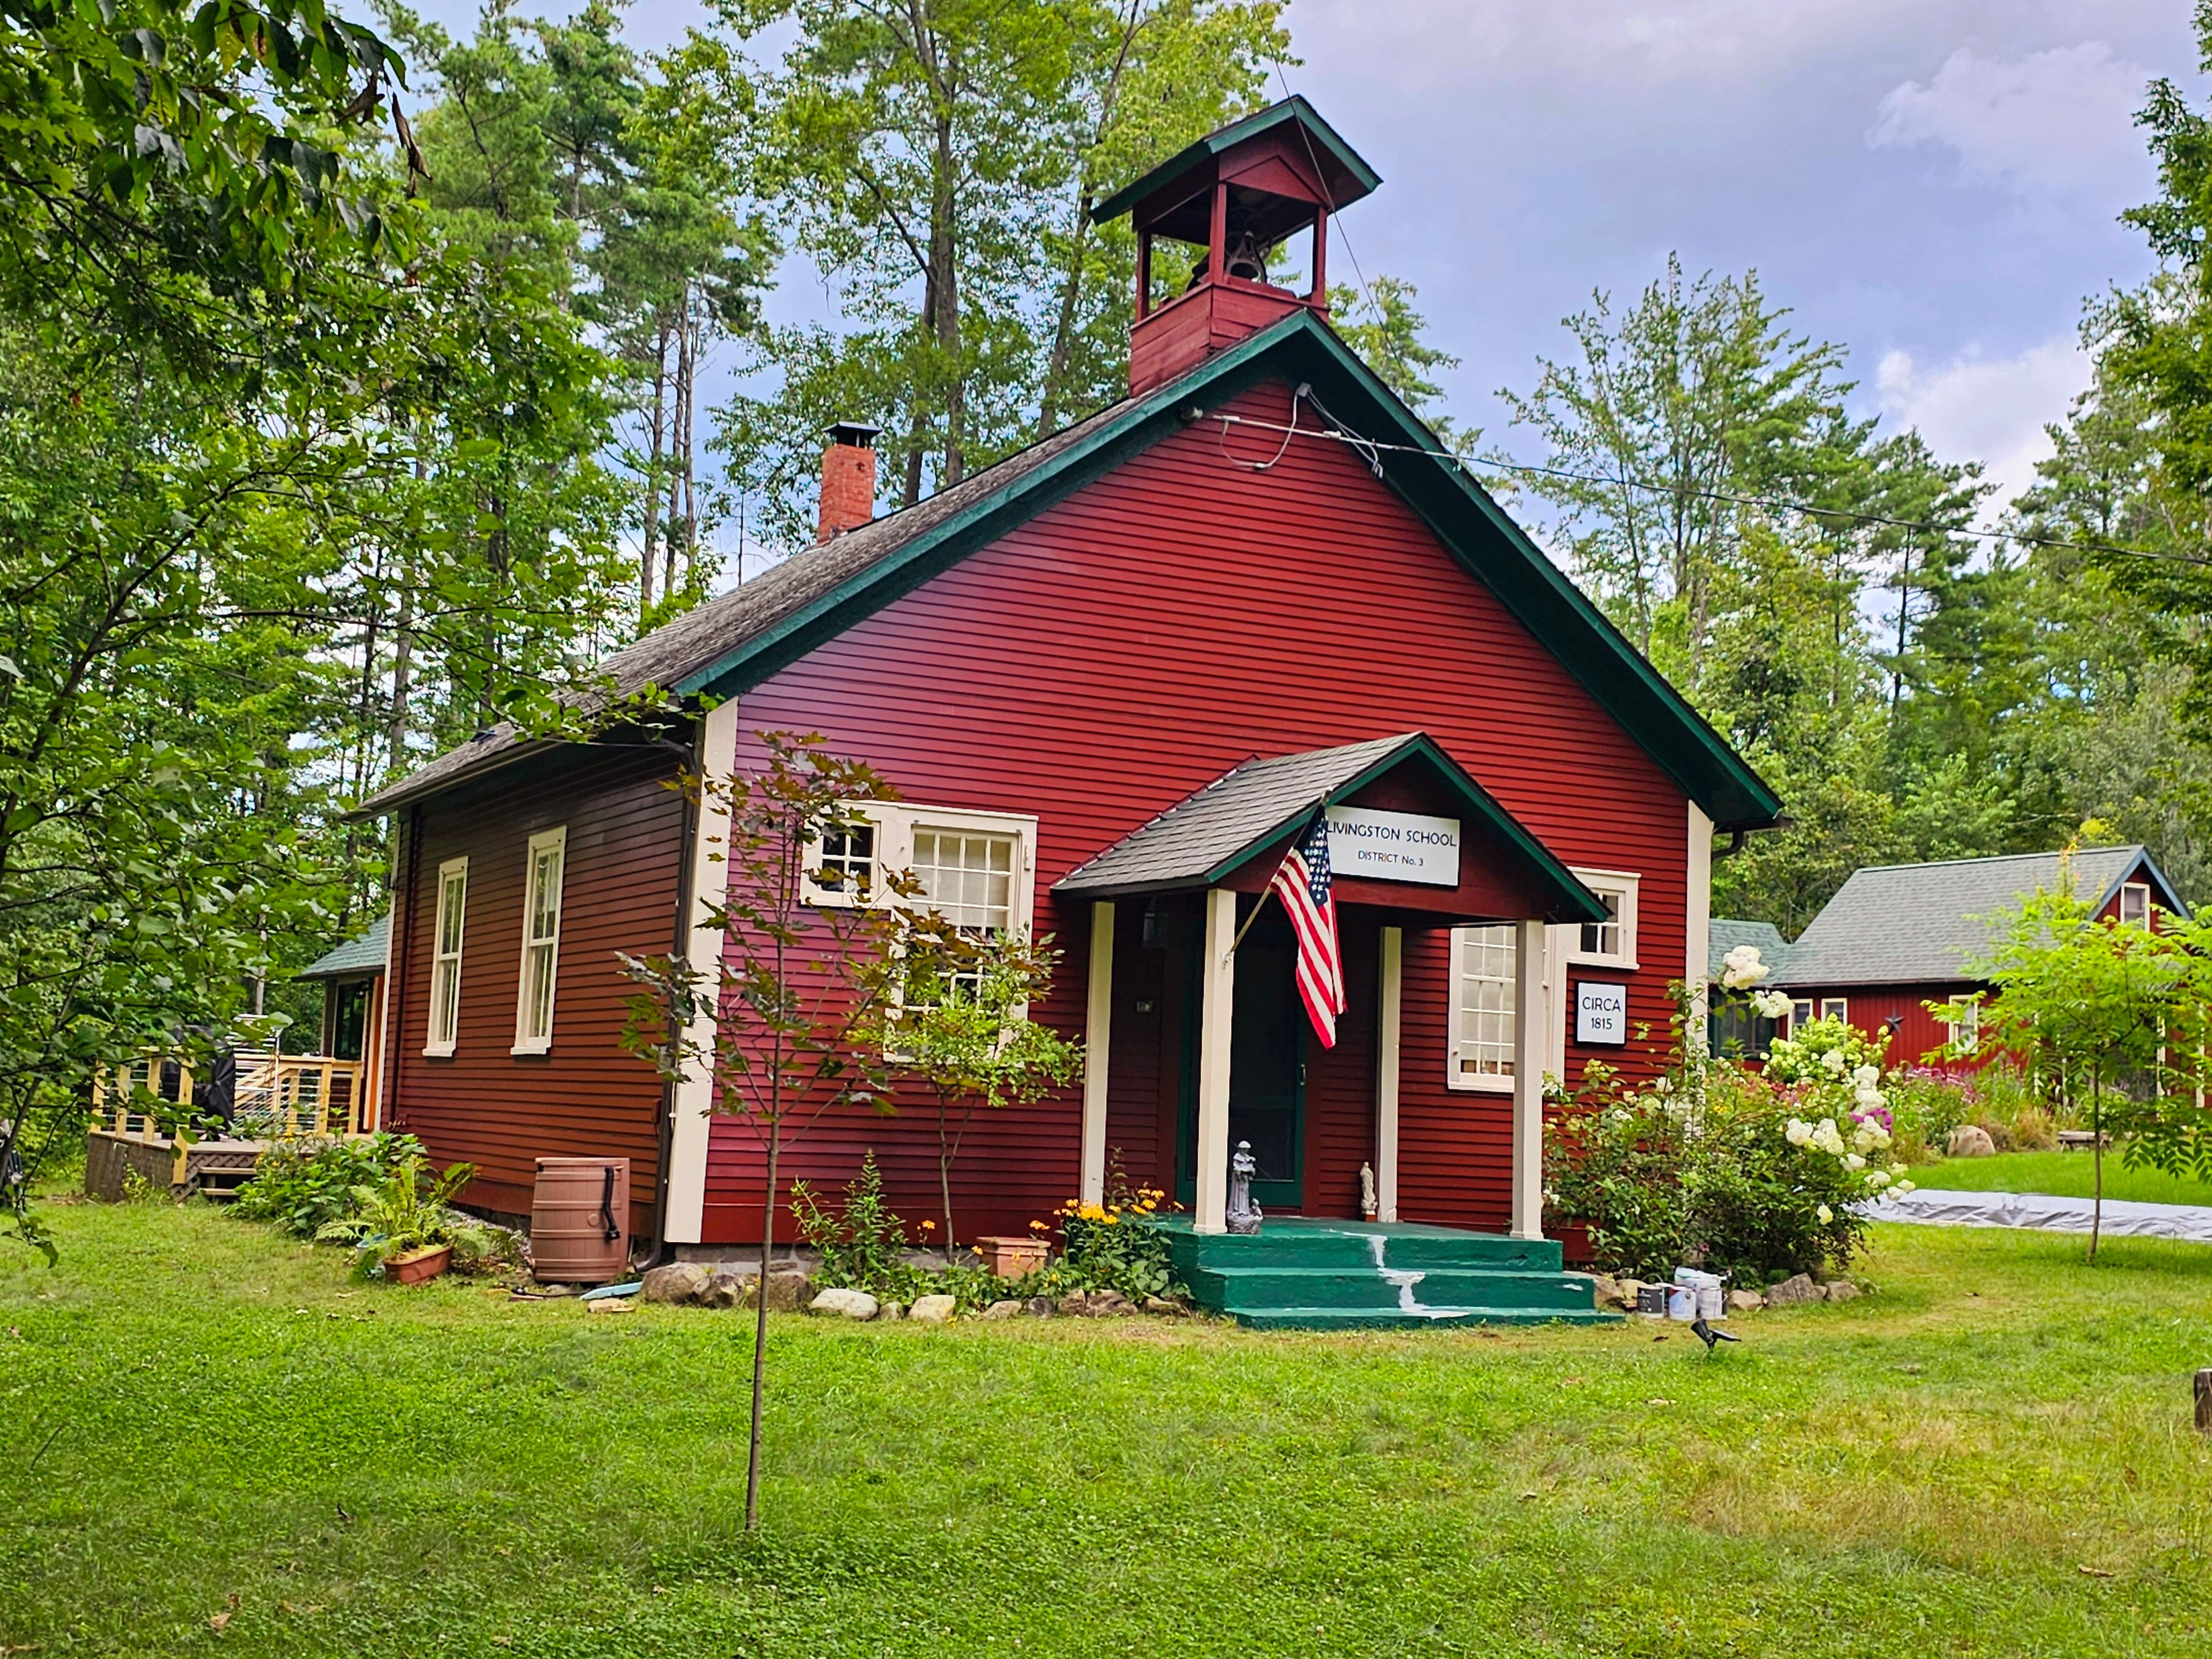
(929, 1226)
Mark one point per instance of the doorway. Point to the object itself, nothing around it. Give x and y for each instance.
(1267, 1067)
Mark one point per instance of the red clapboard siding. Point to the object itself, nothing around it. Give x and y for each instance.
(1127, 646)
(485, 1105)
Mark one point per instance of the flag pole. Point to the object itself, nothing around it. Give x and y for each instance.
(1266, 894)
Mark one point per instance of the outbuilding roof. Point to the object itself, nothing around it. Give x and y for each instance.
(1723, 934)
(1914, 924)
(1204, 836)
(365, 954)
(735, 642)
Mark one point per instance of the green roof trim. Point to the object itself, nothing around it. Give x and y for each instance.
(1291, 109)
(1471, 525)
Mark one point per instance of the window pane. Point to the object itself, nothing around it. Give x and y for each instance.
(1603, 939)
(1483, 1024)
(968, 878)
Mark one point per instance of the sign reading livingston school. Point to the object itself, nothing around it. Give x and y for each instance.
(1393, 846)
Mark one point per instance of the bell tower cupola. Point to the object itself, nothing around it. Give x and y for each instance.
(1233, 199)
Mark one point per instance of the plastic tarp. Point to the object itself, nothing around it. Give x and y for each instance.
(2038, 1210)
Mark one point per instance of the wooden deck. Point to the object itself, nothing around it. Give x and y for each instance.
(138, 1109)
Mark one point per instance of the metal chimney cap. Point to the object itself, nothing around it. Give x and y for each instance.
(854, 434)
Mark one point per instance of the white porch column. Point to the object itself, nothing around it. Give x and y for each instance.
(1698, 926)
(1217, 1009)
(1530, 1018)
(1393, 978)
(1096, 1037)
(710, 879)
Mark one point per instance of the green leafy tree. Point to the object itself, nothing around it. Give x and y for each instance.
(964, 1030)
(804, 989)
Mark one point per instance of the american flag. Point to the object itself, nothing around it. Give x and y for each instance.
(1302, 879)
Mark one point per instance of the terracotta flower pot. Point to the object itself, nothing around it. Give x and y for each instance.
(413, 1266)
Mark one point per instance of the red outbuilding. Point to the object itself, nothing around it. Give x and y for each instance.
(1113, 678)
(1897, 937)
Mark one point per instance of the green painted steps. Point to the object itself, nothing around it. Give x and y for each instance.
(1306, 1274)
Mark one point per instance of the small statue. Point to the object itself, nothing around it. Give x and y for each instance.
(1368, 1204)
(1243, 1215)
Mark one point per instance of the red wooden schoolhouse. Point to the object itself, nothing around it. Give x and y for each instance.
(1113, 677)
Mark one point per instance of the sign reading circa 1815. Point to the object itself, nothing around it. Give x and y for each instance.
(1601, 1013)
(1393, 846)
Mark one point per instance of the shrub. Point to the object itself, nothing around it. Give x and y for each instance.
(1755, 1175)
(408, 1212)
(303, 1186)
(862, 1246)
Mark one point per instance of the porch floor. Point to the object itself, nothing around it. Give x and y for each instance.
(1313, 1274)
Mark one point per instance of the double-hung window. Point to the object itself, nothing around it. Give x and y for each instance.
(1610, 943)
(541, 941)
(1481, 1052)
(446, 956)
(978, 870)
(1836, 1008)
(1966, 1029)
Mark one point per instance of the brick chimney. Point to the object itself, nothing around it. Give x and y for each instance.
(848, 480)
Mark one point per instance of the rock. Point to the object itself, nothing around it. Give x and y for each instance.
(788, 1293)
(1605, 1290)
(848, 1304)
(892, 1310)
(1791, 1293)
(1160, 1305)
(1106, 1304)
(1628, 1288)
(1075, 1303)
(678, 1282)
(1970, 1140)
(934, 1309)
(610, 1304)
(1038, 1307)
(725, 1290)
(1745, 1301)
(1005, 1308)
(1842, 1290)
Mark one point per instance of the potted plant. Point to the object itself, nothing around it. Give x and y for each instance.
(405, 1230)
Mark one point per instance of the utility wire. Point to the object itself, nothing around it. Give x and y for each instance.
(1355, 441)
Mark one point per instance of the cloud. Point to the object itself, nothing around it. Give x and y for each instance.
(2059, 122)
(1987, 409)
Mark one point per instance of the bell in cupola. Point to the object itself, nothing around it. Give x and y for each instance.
(1237, 195)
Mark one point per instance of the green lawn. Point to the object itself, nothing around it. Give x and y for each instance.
(1988, 1456)
(2062, 1175)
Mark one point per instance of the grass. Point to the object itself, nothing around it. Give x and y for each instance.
(2062, 1175)
(1989, 1455)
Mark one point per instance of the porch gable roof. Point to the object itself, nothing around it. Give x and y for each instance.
(1207, 836)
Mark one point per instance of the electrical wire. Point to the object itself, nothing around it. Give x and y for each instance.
(1371, 447)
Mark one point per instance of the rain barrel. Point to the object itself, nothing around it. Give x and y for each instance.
(580, 1220)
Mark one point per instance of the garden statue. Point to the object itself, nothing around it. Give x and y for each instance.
(1243, 1215)
(1367, 1205)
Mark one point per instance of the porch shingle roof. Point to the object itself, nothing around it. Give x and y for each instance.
(362, 955)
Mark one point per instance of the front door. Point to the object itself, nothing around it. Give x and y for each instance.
(1266, 1068)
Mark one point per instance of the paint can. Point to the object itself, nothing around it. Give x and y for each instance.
(1651, 1300)
(1696, 1294)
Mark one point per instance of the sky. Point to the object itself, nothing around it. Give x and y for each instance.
(1933, 184)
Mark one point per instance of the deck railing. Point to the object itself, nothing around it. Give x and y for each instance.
(276, 1097)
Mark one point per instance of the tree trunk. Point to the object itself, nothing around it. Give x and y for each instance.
(652, 463)
(1063, 332)
(2096, 1158)
(760, 1327)
(945, 286)
(944, 1173)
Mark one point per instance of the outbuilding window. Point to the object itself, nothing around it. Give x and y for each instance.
(446, 956)
(1481, 1054)
(1836, 1008)
(2134, 904)
(1966, 1029)
(541, 941)
(1610, 943)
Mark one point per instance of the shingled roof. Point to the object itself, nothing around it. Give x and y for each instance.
(1723, 934)
(733, 642)
(1913, 924)
(1206, 835)
(362, 955)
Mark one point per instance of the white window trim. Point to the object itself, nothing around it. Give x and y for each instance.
(1797, 1021)
(1479, 1083)
(1836, 1008)
(433, 1047)
(2128, 887)
(1622, 883)
(1966, 1029)
(896, 823)
(556, 840)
